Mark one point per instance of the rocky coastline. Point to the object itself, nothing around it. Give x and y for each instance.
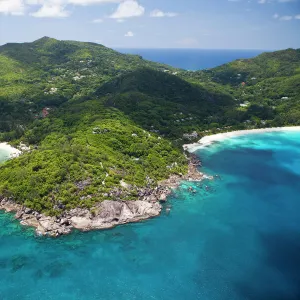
(106, 214)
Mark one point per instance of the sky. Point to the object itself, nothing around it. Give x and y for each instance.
(205, 24)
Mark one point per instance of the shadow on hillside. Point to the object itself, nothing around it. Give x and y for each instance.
(162, 101)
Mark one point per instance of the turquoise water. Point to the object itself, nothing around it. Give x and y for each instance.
(4, 154)
(238, 237)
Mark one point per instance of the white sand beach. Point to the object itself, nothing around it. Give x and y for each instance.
(210, 139)
(7, 151)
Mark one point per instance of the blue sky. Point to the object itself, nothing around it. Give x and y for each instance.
(207, 24)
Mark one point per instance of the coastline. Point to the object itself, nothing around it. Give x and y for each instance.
(210, 139)
(12, 152)
(111, 213)
(106, 214)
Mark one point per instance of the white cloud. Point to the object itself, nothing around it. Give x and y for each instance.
(297, 17)
(35, 2)
(285, 18)
(51, 10)
(275, 16)
(74, 2)
(90, 2)
(12, 7)
(160, 14)
(128, 9)
(129, 34)
(97, 21)
(48, 8)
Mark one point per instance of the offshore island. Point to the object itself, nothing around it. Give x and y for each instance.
(98, 135)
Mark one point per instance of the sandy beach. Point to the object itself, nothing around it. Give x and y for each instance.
(210, 139)
(11, 151)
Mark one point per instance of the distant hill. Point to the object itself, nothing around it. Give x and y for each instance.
(267, 87)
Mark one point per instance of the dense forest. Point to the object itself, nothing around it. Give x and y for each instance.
(95, 118)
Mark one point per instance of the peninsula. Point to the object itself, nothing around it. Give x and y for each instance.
(101, 132)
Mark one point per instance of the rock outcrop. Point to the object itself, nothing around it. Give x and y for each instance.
(106, 214)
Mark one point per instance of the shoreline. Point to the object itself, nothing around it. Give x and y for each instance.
(108, 213)
(210, 139)
(12, 152)
(111, 213)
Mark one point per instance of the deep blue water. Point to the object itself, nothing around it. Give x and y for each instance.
(237, 238)
(192, 59)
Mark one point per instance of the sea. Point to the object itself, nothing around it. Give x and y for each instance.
(235, 237)
(192, 59)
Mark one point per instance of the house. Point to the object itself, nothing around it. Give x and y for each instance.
(45, 112)
(192, 135)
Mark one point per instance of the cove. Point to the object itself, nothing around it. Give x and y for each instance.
(237, 237)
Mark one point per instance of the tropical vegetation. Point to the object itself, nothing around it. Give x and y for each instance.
(97, 121)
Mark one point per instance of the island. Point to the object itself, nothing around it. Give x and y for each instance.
(99, 134)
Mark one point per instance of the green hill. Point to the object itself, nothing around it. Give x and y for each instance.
(95, 116)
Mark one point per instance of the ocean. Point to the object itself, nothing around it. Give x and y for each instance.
(236, 237)
(192, 59)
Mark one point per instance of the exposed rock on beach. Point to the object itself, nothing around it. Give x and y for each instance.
(106, 214)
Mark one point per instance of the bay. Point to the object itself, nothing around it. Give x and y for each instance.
(236, 237)
(192, 59)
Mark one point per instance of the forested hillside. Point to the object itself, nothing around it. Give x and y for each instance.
(96, 120)
(267, 87)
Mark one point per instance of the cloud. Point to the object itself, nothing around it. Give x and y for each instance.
(128, 9)
(74, 2)
(129, 34)
(97, 21)
(90, 2)
(285, 18)
(12, 7)
(160, 14)
(35, 2)
(51, 10)
(48, 8)
(57, 8)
